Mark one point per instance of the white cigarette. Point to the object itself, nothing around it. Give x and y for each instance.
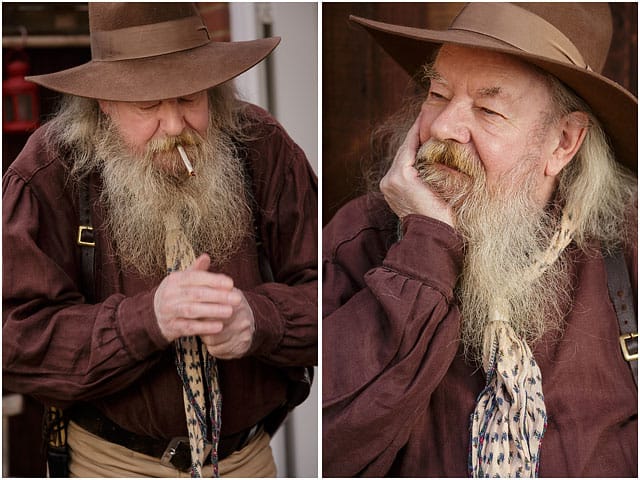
(185, 160)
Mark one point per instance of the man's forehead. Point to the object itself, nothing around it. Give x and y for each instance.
(488, 74)
(489, 90)
(190, 96)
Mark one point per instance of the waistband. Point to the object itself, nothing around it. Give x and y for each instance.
(174, 452)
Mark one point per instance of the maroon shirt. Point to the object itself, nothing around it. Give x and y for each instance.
(61, 349)
(397, 392)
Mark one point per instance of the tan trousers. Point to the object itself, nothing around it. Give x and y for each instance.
(94, 457)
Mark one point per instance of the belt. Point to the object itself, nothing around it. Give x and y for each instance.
(173, 453)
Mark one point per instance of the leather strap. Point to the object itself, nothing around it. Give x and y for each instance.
(86, 241)
(622, 299)
(54, 419)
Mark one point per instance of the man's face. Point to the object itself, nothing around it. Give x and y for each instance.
(494, 106)
(140, 122)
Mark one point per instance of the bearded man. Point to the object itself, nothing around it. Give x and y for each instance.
(153, 165)
(468, 327)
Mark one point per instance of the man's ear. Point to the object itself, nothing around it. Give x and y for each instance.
(572, 128)
(106, 107)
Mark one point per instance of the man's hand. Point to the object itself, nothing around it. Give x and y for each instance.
(236, 336)
(198, 302)
(402, 188)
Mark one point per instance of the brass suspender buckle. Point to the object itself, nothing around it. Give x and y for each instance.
(85, 236)
(624, 338)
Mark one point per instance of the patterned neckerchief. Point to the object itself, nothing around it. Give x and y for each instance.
(197, 369)
(510, 418)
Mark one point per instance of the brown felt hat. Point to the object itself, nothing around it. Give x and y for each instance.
(153, 51)
(569, 40)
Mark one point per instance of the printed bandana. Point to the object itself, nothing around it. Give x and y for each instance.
(510, 417)
(196, 368)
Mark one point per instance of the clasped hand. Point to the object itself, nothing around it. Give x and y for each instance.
(403, 189)
(196, 302)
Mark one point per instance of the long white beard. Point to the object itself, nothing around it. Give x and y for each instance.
(139, 192)
(504, 230)
(505, 233)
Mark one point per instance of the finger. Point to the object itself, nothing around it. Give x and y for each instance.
(201, 311)
(207, 294)
(194, 278)
(407, 152)
(235, 297)
(203, 262)
(216, 340)
(413, 135)
(201, 328)
(224, 350)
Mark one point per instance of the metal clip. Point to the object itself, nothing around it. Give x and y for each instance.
(178, 454)
(176, 444)
(629, 357)
(89, 230)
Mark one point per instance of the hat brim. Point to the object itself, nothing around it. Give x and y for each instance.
(160, 77)
(614, 106)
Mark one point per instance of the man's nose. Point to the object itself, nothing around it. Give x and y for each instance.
(171, 118)
(452, 123)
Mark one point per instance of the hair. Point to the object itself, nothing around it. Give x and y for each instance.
(599, 188)
(386, 137)
(593, 183)
(71, 129)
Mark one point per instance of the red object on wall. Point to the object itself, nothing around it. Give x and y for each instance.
(20, 100)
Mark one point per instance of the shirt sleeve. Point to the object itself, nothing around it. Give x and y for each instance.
(285, 309)
(56, 347)
(390, 332)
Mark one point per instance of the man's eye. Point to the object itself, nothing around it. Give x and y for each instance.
(436, 96)
(490, 112)
(148, 105)
(191, 98)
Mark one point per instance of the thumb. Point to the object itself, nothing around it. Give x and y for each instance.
(201, 263)
(412, 139)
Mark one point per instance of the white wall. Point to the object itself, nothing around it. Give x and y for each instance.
(295, 105)
(295, 66)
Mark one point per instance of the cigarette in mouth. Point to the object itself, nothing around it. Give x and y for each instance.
(185, 160)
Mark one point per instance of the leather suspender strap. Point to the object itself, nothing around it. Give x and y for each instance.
(86, 241)
(622, 299)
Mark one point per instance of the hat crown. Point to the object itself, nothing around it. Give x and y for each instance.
(153, 51)
(588, 25)
(580, 31)
(105, 16)
(127, 31)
